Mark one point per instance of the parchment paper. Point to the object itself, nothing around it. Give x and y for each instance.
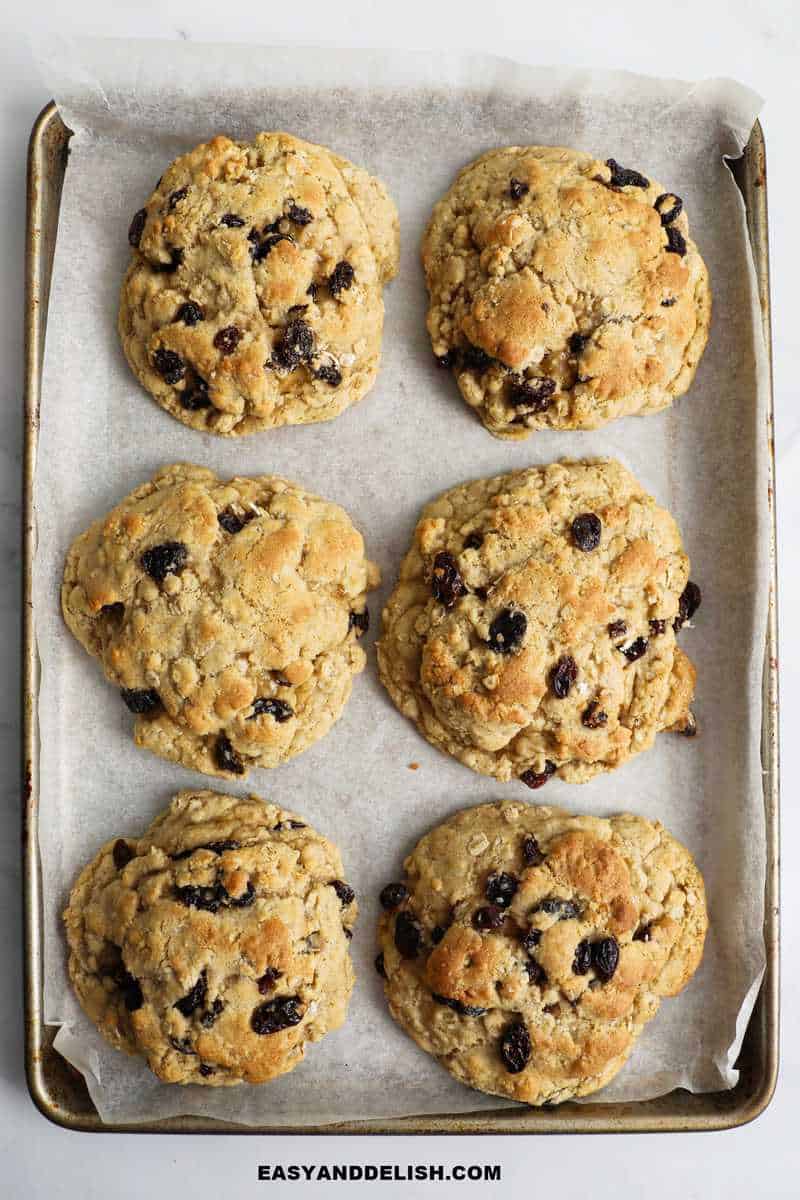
(414, 119)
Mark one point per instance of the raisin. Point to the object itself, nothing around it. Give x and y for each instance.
(169, 365)
(676, 242)
(624, 176)
(531, 854)
(295, 345)
(536, 972)
(583, 957)
(140, 700)
(578, 342)
(131, 991)
(177, 196)
(407, 935)
(233, 522)
(226, 757)
(473, 541)
(215, 847)
(518, 188)
(380, 965)
(262, 248)
(587, 529)
(169, 558)
(594, 717)
(205, 1070)
(635, 650)
(329, 372)
(206, 899)
(531, 395)
(194, 998)
(448, 360)
(312, 290)
(563, 675)
(530, 940)
(231, 220)
(359, 621)
(446, 582)
(537, 779)
(114, 612)
(507, 630)
(605, 957)
(463, 1010)
(657, 627)
(565, 910)
(644, 933)
(501, 888)
(668, 303)
(487, 918)
(341, 278)
(343, 891)
(173, 262)
(300, 216)
(515, 1047)
(393, 895)
(473, 358)
(190, 313)
(675, 209)
(268, 980)
(122, 853)
(226, 340)
(246, 899)
(437, 933)
(690, 600)
(275, 1015)
(195, 396)
(182, 1045)
(136, 227)
(617, 629)
(690, 728)
(279, 710)
(290, 825)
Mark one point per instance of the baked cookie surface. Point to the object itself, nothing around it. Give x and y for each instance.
(227, 612)
(254, 293)
(526, 948)
(216, 945)
(532, 627)
(564, 291)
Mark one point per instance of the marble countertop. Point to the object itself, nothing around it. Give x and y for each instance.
(758, 44)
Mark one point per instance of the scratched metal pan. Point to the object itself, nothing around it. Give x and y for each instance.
(58, 1089)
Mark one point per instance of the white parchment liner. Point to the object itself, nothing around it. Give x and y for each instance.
(413, 119)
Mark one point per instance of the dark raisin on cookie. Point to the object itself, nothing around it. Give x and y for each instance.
(624, 176)
(605, 958)
(473, 541)
(295, 345)
(380, 965)
(636, 649)
(594, 717)
(207, 899)
(554, 906)
(122, 853)
(289, 825)
(343, 890)
(532, 856)
(359, 621)
(131, 990)
(169, 558)
(407, 935)
(463, 1010)
(437, 933)
(617, 629)
(578, 342)
(262, 248)
(206, 1070)
(536, 972)
(530, 939)
(668, 303)
(176, 197)
(507, 630)
(563, 675)
(136, 227)
(194, 998)
(393, 895)
(446, 582)
(232, 521)
(531, 395)
(299, 215)
(140, 700)
(689, 729)
(173, 262)
(226, 340)
(189, 313)
(246, 899)
(231, 220)
(182, 1045)
(690, 600)
(676, 242)
(341, 278)
(582, 961)
(674, 209)
(536, 779)
(214, 847)
(279, 710)
(501, 887)
(448, 360)
(169, 365)
(657, 627)
(487, 918)
(267, 981)
(278, 1014)
(195, 395)
(515, 1047)
(518, 188)
(587, 530)
(226, 757)
(473, 358)
(644, 933)
(329, 372)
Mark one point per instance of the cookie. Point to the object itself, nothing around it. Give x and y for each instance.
(532, 628)
(254, 293)
(564, 291)
(216, 945)
(526, 948)
(226, 612)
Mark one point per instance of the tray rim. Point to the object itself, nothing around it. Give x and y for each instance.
(56, 1097)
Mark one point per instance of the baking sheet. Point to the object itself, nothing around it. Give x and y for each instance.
(413, 119)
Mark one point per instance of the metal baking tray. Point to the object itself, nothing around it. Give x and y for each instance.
(58, 1090)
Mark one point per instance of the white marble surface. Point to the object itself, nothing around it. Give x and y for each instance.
(759, 44)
